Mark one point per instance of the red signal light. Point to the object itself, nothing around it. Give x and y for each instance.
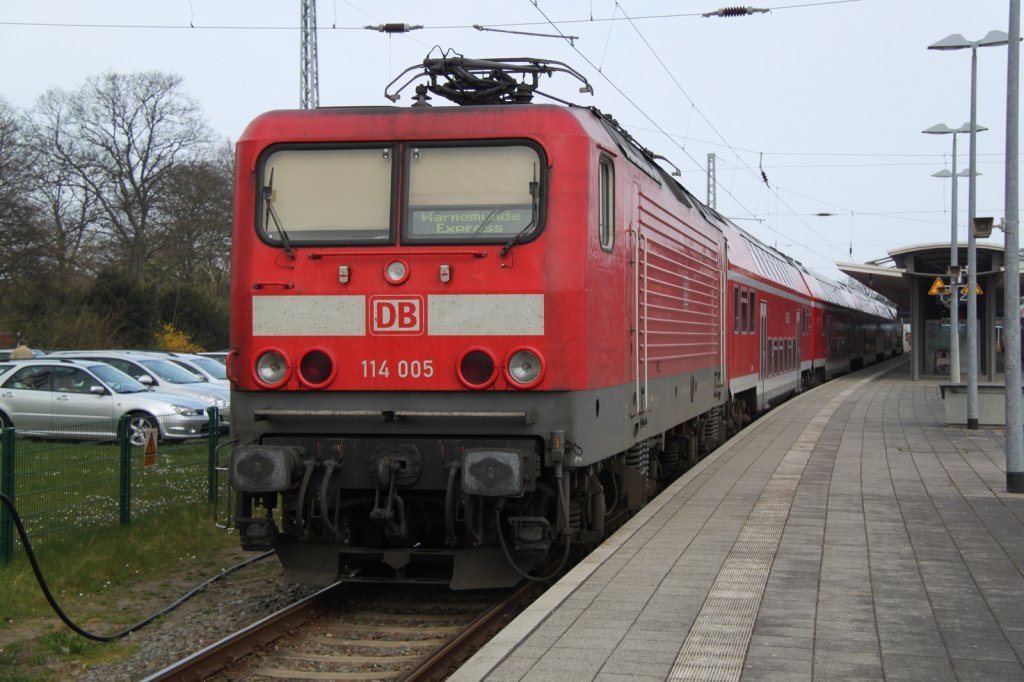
(316, 369)
(477, 368)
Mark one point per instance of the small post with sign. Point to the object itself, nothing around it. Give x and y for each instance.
(149, 456)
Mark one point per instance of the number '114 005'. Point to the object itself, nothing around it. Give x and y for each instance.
(404, 369)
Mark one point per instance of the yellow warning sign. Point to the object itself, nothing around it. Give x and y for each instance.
(149, 456)
(965, 288)
(938, 287)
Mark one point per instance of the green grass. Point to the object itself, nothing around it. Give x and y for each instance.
(61, 487)
(105, 580)
(105, 576)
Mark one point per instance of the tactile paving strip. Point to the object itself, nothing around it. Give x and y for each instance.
(717, 643)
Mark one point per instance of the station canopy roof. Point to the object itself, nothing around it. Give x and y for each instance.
(891, 276)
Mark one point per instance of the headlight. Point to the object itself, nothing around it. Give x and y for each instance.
(396, 272)
(272, 368)
(185, 411)
(524, 368)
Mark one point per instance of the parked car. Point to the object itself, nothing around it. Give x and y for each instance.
(220, 356)
(84, 400)
(5, 353)
(162, 375)
(208, 368)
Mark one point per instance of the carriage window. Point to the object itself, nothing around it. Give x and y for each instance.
(753, 313)
(323, 195)
(606, 203)
(473, 194)
(735, 310)
(743, 311)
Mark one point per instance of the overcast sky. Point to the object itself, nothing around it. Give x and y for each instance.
(827, 98)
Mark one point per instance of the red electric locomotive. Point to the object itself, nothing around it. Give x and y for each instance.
(464, 338)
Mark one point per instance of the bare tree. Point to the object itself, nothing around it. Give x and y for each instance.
(18, 243)
(68, 208)
(195, 208)
(121, 136)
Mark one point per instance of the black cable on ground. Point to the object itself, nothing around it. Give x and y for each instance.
(127, 631)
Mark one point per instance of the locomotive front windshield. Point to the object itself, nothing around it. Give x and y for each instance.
(324, 195)
(472, 193)
(452, 194)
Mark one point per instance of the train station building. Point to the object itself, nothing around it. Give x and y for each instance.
(916, 279)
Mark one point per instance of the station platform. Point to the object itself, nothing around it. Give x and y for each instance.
(847, 534)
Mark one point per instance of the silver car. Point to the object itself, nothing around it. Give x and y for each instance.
(84, 400)
(160, 374)
(213, 371)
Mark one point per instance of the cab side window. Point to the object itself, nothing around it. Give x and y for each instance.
(606, 203)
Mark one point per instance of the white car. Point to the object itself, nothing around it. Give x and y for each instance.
(84, 400)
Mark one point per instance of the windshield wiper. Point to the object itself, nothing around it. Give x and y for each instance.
(268, 199)
(534, 192)
(486, 221)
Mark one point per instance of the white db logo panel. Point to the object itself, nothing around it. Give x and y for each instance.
(396, 315)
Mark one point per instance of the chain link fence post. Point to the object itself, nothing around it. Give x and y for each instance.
(213, 441)
(7, 488)
(125, 472)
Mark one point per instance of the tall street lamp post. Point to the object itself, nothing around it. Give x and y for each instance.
(954, 255)
(958, 42)
(1011, 276)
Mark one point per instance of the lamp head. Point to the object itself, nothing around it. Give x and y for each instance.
(958, 42)
(940, 129)
(951, 42)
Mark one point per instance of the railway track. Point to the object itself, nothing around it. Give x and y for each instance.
(359, 631)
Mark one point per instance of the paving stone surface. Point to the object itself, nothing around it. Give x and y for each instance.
(848, 534)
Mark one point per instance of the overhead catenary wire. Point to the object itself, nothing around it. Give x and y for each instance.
(616, 16)
(662, 130)
(682, 90)
(334, 27)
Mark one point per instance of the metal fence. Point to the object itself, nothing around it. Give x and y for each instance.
(63, 484)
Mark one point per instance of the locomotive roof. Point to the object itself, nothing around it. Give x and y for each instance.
(371, 123)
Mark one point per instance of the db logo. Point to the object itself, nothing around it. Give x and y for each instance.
(396, 315)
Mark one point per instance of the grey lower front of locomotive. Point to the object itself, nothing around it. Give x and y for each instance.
(313, 449)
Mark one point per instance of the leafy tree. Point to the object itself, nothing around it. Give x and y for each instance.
(198, 313)
(127, 307)
(171, 338)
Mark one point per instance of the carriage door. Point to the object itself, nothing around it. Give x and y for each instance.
(763, 375)
(796, 343)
